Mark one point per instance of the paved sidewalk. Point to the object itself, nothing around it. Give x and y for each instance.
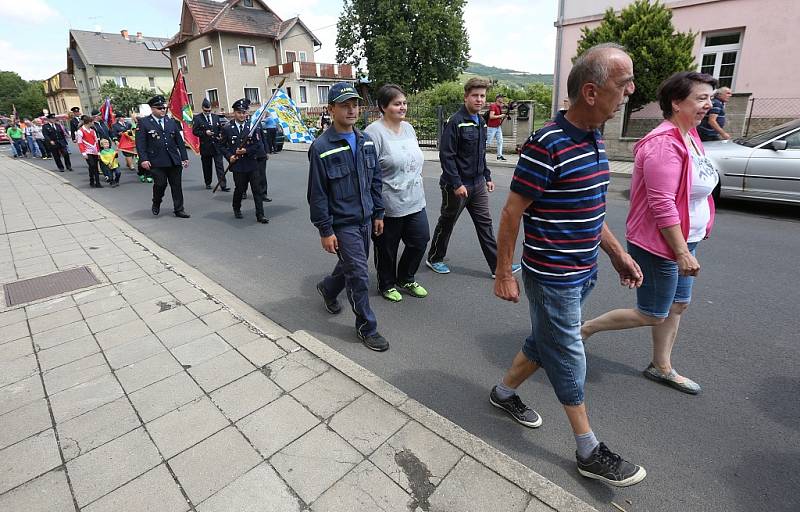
(158, 390)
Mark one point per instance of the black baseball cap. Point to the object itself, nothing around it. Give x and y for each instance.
(342, 91)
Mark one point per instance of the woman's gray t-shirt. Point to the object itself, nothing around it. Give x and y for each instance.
(400, 160)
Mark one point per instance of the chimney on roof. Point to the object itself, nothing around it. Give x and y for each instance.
(124, 33)
(138, 36)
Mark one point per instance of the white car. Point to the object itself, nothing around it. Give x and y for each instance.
(764, 167)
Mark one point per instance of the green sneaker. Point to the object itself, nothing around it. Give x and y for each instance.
(142, 179)
(392, 295)
(415, 290)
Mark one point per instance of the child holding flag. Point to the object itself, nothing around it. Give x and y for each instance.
(109, 163)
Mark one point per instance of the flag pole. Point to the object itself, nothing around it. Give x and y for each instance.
(253, 128)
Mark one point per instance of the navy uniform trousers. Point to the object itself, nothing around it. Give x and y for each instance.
(352, 273)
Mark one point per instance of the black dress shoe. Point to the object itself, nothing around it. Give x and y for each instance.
(69, 169)
(98, 185)
(182, 215)
(267, 200)
(262, 220)
(208, 187)
(155, 209)
(238, 214)
(225, 189)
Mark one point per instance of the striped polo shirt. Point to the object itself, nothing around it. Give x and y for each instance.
(564, 170)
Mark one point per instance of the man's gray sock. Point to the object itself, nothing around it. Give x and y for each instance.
(504, 392)
(586, 444)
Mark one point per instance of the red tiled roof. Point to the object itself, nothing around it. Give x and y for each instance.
(228, 17)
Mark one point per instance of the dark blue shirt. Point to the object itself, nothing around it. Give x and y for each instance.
(350, 137)
(565, 171)
(705, 129)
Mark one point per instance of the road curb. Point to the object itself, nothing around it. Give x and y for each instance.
(495, 460)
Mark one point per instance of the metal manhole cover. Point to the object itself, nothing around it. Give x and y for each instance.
(28, 290)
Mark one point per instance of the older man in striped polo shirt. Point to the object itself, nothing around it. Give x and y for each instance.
(559, 191)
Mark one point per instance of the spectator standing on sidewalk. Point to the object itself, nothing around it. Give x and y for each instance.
(466, 179)
(400, 160)
(671, 212)
(162, 152)
(89, 146)
(559, 189)
(33, 147)
(713, 125)
(344, 195)
(38, 137)
(55, 137)
(494, 125)
(17, 137)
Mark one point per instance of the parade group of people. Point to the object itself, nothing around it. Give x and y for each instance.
(367, 186)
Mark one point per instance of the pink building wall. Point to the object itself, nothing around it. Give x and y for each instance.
(769, 66)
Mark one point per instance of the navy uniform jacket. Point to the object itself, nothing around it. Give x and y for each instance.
(102, 132)
(74, 125)
(462, 151)
(117, 129)
(343, 190)
(54, 133)
(208, 144)
(162, 148)
(232, 139)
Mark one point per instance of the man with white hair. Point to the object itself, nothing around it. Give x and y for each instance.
(713, 125)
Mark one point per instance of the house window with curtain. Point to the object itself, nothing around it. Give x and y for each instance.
(322, 91)
(182, 65)
(206, 58)
(291, 57)
(212, 97)
(247, 55)
(303, 94)
(252, 94)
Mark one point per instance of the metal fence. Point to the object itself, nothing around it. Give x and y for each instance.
(764, 113)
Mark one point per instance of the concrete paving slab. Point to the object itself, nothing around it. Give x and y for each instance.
(84, 397)
(61, 335)
(471, 487)
(328, 393)
(103, 306)
(276, 425)
(258, 490)
(134, 351)
(16, 349)
(261, 351)
(18, 369)
(203, 306)
(245, 395)
(67, 352)
(200, 350)
(186, 426)
(27, 459)
(238, 334)
(218, 371)
(47, 493)
(170, 318)
(53, 320)
(115, 318)
(47, 307)
(24, 422)
(20, 393)
(86, 432)
(367, 422)
(120, 334)
(295, 369)
(164, 396)
(154, 491)
(364, 488)
(14, 331)
(137, 375)
(76, 372)
(184, 333)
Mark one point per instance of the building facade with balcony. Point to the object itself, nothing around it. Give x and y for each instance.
(308, 83)
(61, 93)
(94, 58)
(224, 48)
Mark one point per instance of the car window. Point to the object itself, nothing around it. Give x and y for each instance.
(769, 134)
(793, 140)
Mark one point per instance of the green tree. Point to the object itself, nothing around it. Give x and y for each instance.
(413, 43)
(31, 100)
(126, 99)
(645, 29)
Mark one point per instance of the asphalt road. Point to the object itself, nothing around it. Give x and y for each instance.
(735, 447)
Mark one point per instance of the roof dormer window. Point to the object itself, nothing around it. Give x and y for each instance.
(247, 3)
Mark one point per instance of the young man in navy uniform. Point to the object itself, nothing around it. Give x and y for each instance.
(344, 194)
(55, 137)
(243, 154)
(162, 152)
(208, 128)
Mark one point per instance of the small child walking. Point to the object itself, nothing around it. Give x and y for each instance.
(109, 163)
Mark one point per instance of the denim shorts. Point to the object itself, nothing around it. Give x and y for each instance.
(555, 342)
(662, 285)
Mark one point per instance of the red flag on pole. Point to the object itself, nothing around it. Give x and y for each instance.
(107, 112)
(181, 111)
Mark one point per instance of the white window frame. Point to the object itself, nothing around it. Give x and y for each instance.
(122, 81)
(185, 66)
(203, 63)
(258, 90)
(720, 50)
(216, 93)
(303, 93)
(323, 98)
(80, 85)
(302, 56)
(152, 81)
(255, 59)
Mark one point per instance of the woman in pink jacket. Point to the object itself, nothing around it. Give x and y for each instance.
(671, 212)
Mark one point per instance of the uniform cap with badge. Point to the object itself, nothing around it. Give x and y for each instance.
(157, 101)
(341, 92)
(241, 105)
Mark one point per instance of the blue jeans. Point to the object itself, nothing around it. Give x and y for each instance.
(352, 272)
(555, 342)
(495, 133)
(19, 147)
(33, 147)
(662, 285)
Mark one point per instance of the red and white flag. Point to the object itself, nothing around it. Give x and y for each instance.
(181, 110)
(107, 112)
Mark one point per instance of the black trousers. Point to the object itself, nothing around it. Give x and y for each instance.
(57, 151)
(413, 230)
(241, 180)
(216, 159)
(42, 147)
(93, 161)
(477, 204)
(172, 176)
(272, 133)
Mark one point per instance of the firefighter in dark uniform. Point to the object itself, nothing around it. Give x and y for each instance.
(262, 162)
(161, 150)
(243, 154)
(75, 121)
(100, 127)
(208, 128)
(55, 138)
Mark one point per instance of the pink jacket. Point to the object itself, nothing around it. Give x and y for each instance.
(660, 189)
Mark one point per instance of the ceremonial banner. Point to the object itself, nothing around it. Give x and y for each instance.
(288, 116)
(107, 113)
(181, 111)
(127, 142)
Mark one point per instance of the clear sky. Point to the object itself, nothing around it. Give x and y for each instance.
(34, 33)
